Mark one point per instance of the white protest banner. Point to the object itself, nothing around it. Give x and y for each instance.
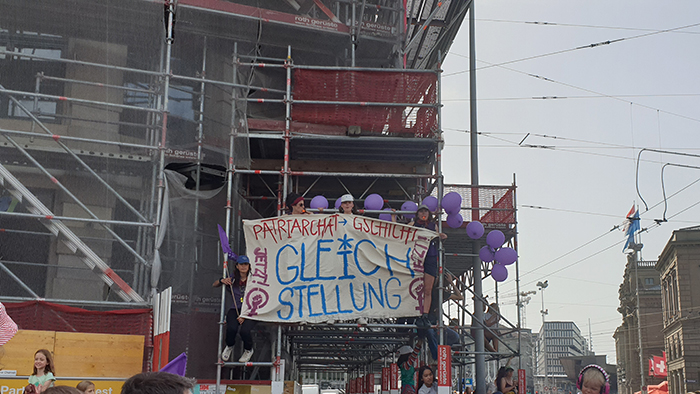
(323, 268)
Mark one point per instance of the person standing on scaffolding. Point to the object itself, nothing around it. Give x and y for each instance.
(235, 324)
(347, 204)
(424, 219)
(295, 204)
(450, 292)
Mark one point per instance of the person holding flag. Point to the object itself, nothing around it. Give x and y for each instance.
(235, 323)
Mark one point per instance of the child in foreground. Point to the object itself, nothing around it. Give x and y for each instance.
(593, 380)
(86, 387)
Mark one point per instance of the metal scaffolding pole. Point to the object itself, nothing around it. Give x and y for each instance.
(170, 15)
(322, 173)
(517, 275)
(224, 83)
(75, 156)
(80, 203)
(19, 281)
(441, 191)
(230, 168)
(100, 304)
(79, 101)
(287, 135)
(353, 34)
(256, 57)
(373, 69)
(80, 62)
(57, 137)
(480, 367)
(200, 137)
(365, 103)
(43, 77)
(76, 219)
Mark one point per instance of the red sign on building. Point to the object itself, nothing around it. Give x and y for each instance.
(522, 386)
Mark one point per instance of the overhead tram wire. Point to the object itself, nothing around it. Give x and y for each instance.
(564, 149)
(555, 148)
(603, 235)
(584, 89)
(594, 45)
(690, 309)
(575, 97)
(586, 213)
(580, 25)
(644, 230)
(605, 144)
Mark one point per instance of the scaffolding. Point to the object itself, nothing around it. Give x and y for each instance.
(255, 128)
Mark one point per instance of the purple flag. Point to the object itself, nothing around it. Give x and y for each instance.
(177, 366)
(225, 246)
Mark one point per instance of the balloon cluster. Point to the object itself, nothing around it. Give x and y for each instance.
(451, 203)
(494, 250)
(373, 202)
(501, 256)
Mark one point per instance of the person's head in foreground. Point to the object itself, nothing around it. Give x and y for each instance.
(593, 380)
(157, 383)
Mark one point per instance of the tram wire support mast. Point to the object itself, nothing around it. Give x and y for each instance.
(541, 286)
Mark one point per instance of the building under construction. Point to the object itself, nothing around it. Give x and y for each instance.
(132, 128)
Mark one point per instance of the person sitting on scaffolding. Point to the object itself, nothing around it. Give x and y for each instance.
(491, 319)
(235, 324)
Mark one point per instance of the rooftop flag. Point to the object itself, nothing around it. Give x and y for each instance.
(626, 224)
(631, 227)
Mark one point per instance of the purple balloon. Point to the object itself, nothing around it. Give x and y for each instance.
(454, 220)
(452, 202)
(337, 203)
(495, 239)
(431, 202)
(499, 272)
(475, 230)
(385, 216)
(486, 254)
(318, 202)
(374, 202)
(506, 256)
(409, 206)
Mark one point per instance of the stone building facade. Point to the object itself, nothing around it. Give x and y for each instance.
(679, 266)
(627, 334)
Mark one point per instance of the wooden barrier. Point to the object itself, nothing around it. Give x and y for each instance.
(19, 351)
(77, 354)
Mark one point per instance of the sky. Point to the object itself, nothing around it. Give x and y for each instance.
(642, 90)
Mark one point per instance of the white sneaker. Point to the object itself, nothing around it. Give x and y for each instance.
(226, 354)
(245, 357)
